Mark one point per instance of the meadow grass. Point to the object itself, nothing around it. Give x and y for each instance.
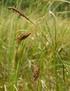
(43, 59)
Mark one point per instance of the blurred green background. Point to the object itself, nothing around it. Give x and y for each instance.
(41, 62)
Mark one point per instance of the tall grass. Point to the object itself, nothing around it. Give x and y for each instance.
(42, 60)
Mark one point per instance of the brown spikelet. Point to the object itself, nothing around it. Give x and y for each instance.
(17, 11)
(22, 37)
(36, 72)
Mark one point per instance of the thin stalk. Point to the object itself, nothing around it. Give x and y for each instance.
(49, 32)
(16, 60)
(5, 88)
(55, 48)
(23, 15)
(63, 70)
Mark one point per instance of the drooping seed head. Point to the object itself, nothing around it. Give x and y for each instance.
(22, 36)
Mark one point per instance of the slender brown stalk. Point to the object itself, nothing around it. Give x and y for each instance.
(19, 39)
(23, 15)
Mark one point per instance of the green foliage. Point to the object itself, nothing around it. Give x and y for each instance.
(43, 59)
